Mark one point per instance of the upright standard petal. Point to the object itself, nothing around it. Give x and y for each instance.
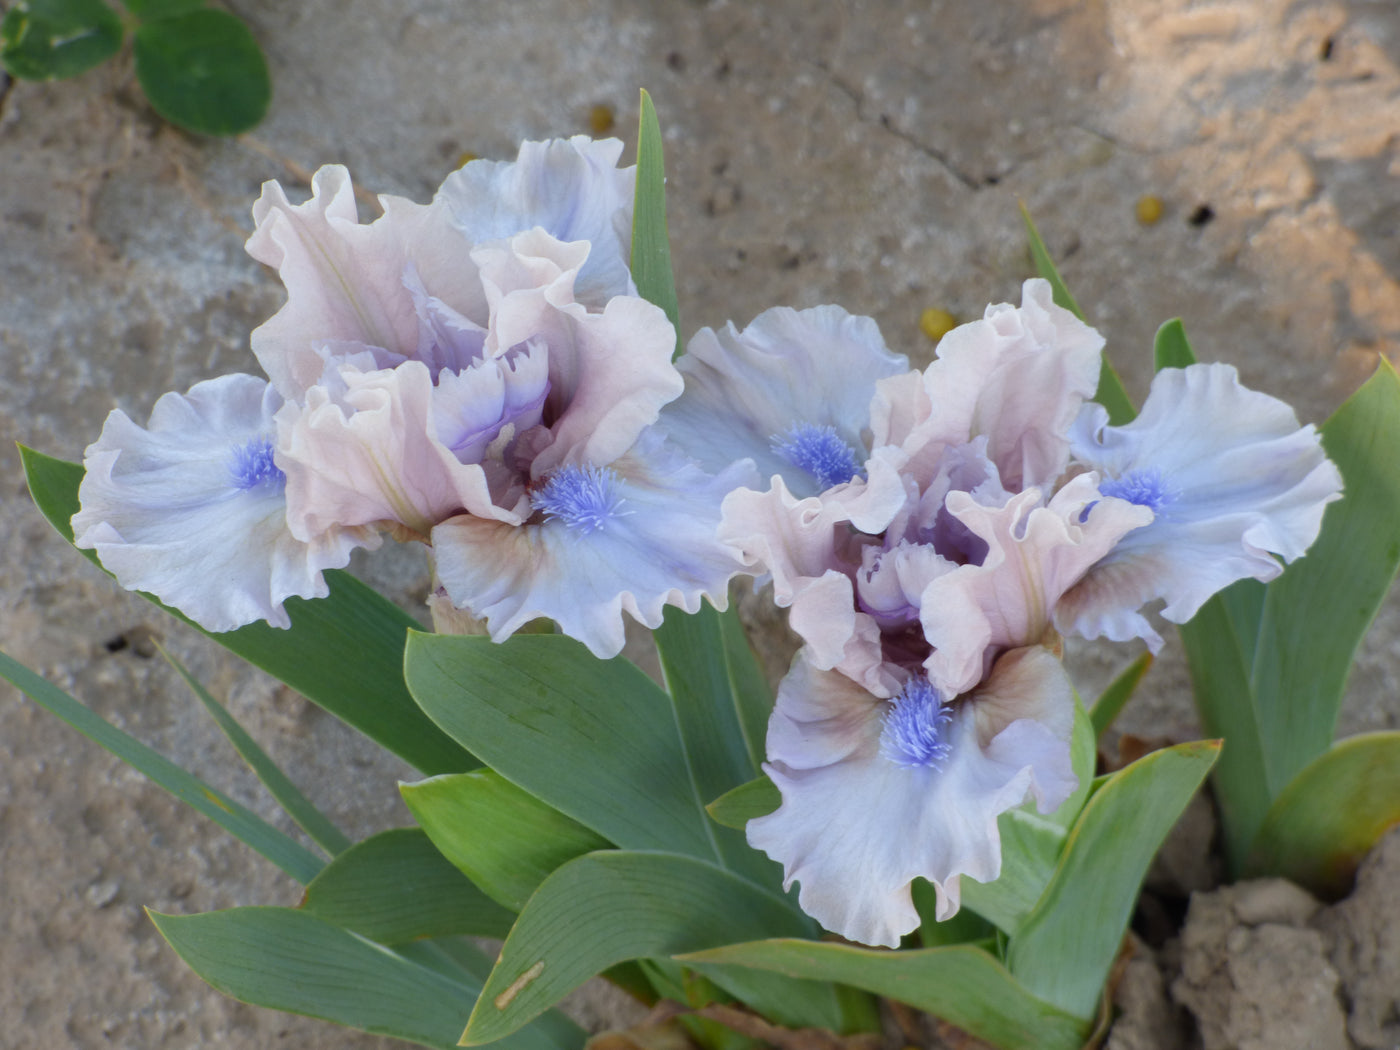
(1232, 480)
(881, 789)
(791, 392)
(572, 188)
(191, 508)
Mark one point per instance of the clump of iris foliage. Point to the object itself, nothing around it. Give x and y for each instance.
(199, 67)
(499, 375)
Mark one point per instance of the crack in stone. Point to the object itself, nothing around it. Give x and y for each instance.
(932, 152)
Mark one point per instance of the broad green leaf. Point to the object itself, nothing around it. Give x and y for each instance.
(611, 906)
(1293, 642)
(1030, 849)
(503, 838)
(1110, 393)
(691, 648)
(961, 984)
(752, 695)
(1171, 348)
(57, 39)
(396, 887)
(595, 739)
(297, 806)
(651, 247)
(288, 854)
(343, 652)
(757, 798)
(1329, 816)
(289, 960)
(203, 71)
(1112, 700)
(1065, 947)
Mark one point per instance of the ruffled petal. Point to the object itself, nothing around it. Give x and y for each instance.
(791, 392)
(191, 508)
(572, 188)
(634, 536)
(1233, 480)
(1034, 555)
(855, 828)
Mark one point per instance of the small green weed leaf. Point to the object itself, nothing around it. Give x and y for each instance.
(595, 739)
(1110, 393)
(297, 806)
(1329, 816)
(651, 245)
(500, 836)
(57, 39)
(343, 652)
(288, 854)
(1064, 948)
(1115, 697)
(203, 71)
(757, 798)
(289, 960)
(1171, 348)
(961, 984)
(396, 887)
(611, 906)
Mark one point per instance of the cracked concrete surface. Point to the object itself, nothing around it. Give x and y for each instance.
(870, 154)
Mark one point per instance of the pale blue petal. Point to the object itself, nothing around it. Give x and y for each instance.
(791, 392)
(192, 508)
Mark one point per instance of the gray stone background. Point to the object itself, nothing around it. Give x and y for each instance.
(870, 154)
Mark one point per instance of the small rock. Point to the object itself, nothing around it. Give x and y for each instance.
(102, 893)
(1274, 900)
(1365, 934)
(1147, 1019)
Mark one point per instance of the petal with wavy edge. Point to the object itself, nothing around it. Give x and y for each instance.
(372, 456)
(610, 372)
(657, 549)
(1017, 377)
(572, 188)
(789, 367)
(1243, 481)
(163, 507)
(344, 279)
(1034, 555)
(855, 829)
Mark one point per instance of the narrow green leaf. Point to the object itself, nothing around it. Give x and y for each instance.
(289, 960)
(343, 652)
(57, 39)
(691, 648)
(1331, 814)
(752, 695)
(651, 247)
(501, 837)
(1084, 759)
(1030, 849)
(297, 806)
(1113, 699)
(1111, 393)
(606, 908)
(757, 798)
(962, 984)
(1065, 947)
(396, 887)
(1171, 348)
(288, 854)
(595, 739)
(203, 71)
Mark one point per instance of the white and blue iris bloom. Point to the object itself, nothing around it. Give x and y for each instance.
(791, 392)
(192, 508)
(1233, 482)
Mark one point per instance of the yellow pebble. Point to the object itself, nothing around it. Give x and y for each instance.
(1148, 209)
(466, 158)
(600, 119)
(936, 323)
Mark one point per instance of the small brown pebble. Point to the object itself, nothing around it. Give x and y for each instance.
(601, 119)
